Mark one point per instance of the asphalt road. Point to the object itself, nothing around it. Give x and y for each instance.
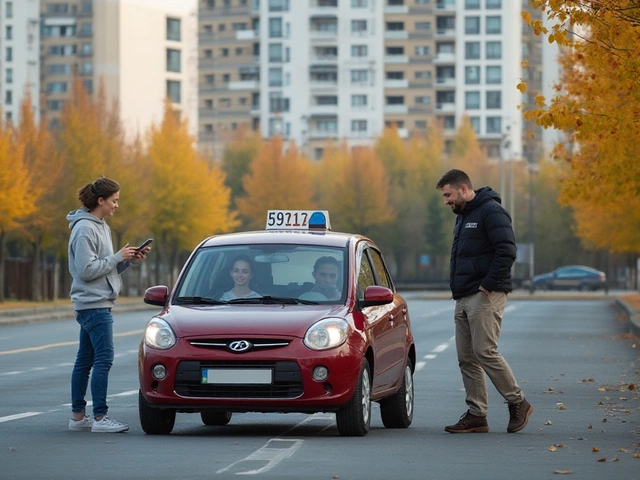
(571, 357)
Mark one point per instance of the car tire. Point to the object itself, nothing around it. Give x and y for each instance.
(155, 421)
(397, 410)
(354, 419)
(215, 418)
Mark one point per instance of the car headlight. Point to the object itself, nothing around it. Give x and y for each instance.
(159, 334)
(327, 333)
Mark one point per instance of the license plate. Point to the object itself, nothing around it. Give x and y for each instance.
(235, 376)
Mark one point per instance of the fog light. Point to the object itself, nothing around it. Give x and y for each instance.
(159, 372)
(320, 374)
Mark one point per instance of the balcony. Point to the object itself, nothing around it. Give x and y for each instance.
(321, 134)
(323, 110)
(396, 34)
(323, 85)
(445, 82)
(447, 107)
(396, 109)
(396, 83)
(396, 59)
(445, 32)
(396, 9)
(323, 59)
(247, 35)
(244, 85)
(445, 57)
(445, 6)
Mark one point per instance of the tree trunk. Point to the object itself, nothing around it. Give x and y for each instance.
(36, 274)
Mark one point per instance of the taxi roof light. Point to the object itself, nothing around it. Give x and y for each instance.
(298, 220)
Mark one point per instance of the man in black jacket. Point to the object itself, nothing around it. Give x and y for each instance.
(482, 255)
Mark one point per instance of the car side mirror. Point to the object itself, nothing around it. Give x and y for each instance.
(156, 295)
(376, 295)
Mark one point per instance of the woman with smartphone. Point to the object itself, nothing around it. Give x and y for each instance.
(95, 270)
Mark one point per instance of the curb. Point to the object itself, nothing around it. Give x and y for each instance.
(17, 316)
(631, 314)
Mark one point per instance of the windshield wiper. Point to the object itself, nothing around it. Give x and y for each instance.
(267, 299)
(199, 301)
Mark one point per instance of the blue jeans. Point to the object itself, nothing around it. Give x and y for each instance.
(95, 351)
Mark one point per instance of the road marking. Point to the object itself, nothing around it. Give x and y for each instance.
(62, 344)
(18, 416)
(440, 348)
(430, 356)
(273, 452)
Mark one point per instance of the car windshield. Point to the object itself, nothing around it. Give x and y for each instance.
(264, 274)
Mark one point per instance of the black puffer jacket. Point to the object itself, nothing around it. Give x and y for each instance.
(484, 247)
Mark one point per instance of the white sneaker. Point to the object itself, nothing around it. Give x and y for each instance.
(108, 425)
(83, 425)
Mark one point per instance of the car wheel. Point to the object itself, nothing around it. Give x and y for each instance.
(215, 418)
(354, 419)
(155, 421)
(397, 410)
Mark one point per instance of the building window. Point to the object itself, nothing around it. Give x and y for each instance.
(472, 4)
(472, 50)
(226, 78)
(359, 3)
(359, 51)
(395, 100)
(173, 29)
(238, 26)
(9, 9)
(55, 105)
(86, 49)
(494, 25)
(239, 51)
(278, 103)
(358, 125)
(87, 7)
(86, 30)
(395, 26)
(86, 68)
(327, 126)
(494, 100)
(423, 100)
(275, 77)
(422, 50)
(173, 91)
(225, 52)
(494, 50)
(494, 124)
(472, 100)
(423, 26)
(278, 5)
(57, 8)
(422, 75)
(9, 75)
(395, 75)
(471, 75)
(472, 25)
(57, 87)
(8, 97)
(327, 100)
(358, 100)
(275, 27)
(494, 4)
(494, 74)
(208, 128)
(358, 26)
(359, 76)
(421, 124)
(8, 32)
(174, 60)
(275, 52)
(9, 54)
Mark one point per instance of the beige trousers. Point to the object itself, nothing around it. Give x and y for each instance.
(478, 320)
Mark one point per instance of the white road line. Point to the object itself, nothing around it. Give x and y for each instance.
(420, 366)
(429, 356)
(440, 348)
(124, 394)
(18, 416)
(11, 373)
(272, 455)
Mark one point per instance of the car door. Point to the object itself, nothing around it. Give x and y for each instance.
(379, 325)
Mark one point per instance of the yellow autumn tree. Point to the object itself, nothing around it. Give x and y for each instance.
(355, 190)
(45, 166)
(17, 201)
(236, 160)
(596, 104)
(278, 179)
(188, 198)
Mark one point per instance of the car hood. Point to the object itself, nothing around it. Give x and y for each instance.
(234, 320)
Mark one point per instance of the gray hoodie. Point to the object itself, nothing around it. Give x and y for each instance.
(93, 265)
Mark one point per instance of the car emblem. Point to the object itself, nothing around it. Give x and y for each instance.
(240, 346)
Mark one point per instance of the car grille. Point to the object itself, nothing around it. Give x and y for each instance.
(287, 380)
(223, 343)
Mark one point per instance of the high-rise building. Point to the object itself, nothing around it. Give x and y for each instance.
(315, 71)
(19, 56)
(141, 51)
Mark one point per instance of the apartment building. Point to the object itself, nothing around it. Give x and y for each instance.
(315, 71)
(141, 51)
(19, 56)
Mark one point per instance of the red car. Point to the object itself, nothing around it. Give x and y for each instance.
(295, 318)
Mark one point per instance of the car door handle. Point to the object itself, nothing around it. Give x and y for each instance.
(391, 317)
(404, 310)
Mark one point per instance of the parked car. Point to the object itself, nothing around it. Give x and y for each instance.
(290, 346)
(571, 277)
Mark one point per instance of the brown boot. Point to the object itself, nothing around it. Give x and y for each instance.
(519, 415)
(469, 423)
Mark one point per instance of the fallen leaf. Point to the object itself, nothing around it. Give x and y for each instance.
(552, 448)
(590, 427)
(623, 450)
(604, 420)
(631, 386)
(600, 403)
(614, 459)
(603, 459)
(595, 449)
(548, 422)
(563, 472)
(623, 398)
(636, 455)
(561, 406)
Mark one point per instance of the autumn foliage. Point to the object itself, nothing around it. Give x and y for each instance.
(598, 105)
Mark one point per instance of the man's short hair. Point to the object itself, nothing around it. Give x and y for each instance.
(455, 178)
(328, 260)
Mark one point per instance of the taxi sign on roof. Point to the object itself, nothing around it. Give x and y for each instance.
(298, 220)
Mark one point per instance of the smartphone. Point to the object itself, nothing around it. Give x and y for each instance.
(147, 242)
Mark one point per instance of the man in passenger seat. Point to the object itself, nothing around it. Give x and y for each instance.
(325, 273)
